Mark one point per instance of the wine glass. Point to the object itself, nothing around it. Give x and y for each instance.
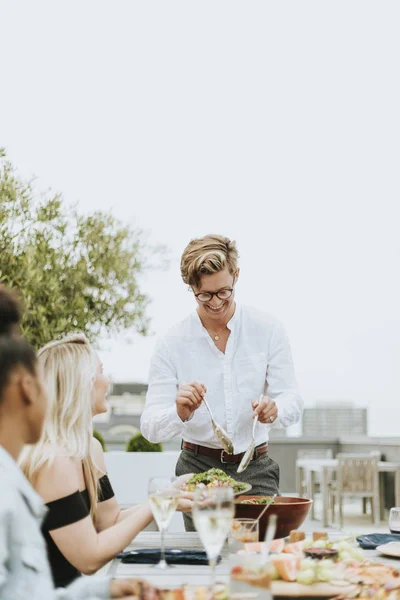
(394, 520)
(213, 511)
(163, 498)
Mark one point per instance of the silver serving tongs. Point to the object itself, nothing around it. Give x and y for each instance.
(220, 432)
(248, 455)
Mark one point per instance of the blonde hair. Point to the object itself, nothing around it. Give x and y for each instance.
(207, 255)
(69, 367)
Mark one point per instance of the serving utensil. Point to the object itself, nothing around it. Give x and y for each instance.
(264, 510)
(248, 455)
(269, 536)
(220, 432)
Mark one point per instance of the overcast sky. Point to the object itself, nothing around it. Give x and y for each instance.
(274, 123)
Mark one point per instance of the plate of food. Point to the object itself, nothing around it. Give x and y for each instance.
(146, 591)
(373, 580)
(390, 549)
(294, 574)
(214, 478)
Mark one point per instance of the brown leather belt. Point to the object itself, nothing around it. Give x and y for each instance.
(223, 456)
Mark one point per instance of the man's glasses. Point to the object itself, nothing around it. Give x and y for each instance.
(223, 294)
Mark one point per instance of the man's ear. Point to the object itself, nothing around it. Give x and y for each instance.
(237, 274)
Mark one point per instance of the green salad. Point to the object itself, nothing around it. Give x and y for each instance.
(214, 478)
(260, 500)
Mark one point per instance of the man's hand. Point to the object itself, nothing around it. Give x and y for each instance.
(189, 398)
(129, 589)
(266, 410)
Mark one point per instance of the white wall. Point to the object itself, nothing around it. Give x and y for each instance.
(129, 473)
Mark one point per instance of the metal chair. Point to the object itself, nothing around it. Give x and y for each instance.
(357, 476)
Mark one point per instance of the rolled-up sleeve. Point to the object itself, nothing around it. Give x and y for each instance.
(160, 421)
(281, 379)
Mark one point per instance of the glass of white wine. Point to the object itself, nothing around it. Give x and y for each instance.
(213, 512)
(394, 520)
(164, 499)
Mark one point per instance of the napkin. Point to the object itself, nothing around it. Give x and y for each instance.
(173, 556)
(372, 540)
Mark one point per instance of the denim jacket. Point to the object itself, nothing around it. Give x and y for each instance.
(24, 569)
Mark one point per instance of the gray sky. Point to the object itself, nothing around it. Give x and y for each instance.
(275, 123)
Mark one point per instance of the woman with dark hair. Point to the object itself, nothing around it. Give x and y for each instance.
(10, 311)
(24, 569)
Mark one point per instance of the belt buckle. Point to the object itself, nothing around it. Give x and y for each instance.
(222, 457)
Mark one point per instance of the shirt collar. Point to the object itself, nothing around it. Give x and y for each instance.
(9, 467)
(232, 324)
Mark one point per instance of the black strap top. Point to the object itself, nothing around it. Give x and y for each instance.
(62, 512)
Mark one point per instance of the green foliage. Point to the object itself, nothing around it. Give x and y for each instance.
(138, 443)
(99, 437)
(75, 272)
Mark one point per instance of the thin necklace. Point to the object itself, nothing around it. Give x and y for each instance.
(215, 336)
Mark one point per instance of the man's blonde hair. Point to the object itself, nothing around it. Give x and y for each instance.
(207, 255)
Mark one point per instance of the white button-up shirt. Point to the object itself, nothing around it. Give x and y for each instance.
(257, 360)
(24, 568)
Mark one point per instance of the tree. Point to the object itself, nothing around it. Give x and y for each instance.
(74, 272)
(138, 443)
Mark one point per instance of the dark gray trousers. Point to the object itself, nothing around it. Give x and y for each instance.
(262, 474)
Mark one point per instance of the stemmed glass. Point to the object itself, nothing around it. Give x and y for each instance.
(164, 499)
(394, 520)
(213, 512)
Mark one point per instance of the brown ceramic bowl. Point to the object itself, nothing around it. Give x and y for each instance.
(290, 512)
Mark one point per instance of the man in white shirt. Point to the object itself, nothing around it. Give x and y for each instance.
(238, 357)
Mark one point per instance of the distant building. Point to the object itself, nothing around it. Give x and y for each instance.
(122, 420)
(129, 389)
(127, 398)
(334, 419)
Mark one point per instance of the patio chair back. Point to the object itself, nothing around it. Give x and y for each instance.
(357, 474)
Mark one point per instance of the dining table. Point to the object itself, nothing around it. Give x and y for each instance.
(194, 575)
(307, 468)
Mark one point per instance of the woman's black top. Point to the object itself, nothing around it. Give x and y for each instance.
(66, 511)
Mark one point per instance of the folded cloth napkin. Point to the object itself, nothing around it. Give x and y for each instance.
(173, 556)
(372, 540)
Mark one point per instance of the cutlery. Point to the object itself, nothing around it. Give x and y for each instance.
(264, 510)
(269, 536)
(220, 432)
(248, 455)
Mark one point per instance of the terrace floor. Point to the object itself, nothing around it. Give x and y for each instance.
(354, 521)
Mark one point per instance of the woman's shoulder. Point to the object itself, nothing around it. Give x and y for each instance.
(61, 475)
(98, 456)
(56, 458)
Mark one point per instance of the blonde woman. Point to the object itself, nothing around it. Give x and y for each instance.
(84, 527)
